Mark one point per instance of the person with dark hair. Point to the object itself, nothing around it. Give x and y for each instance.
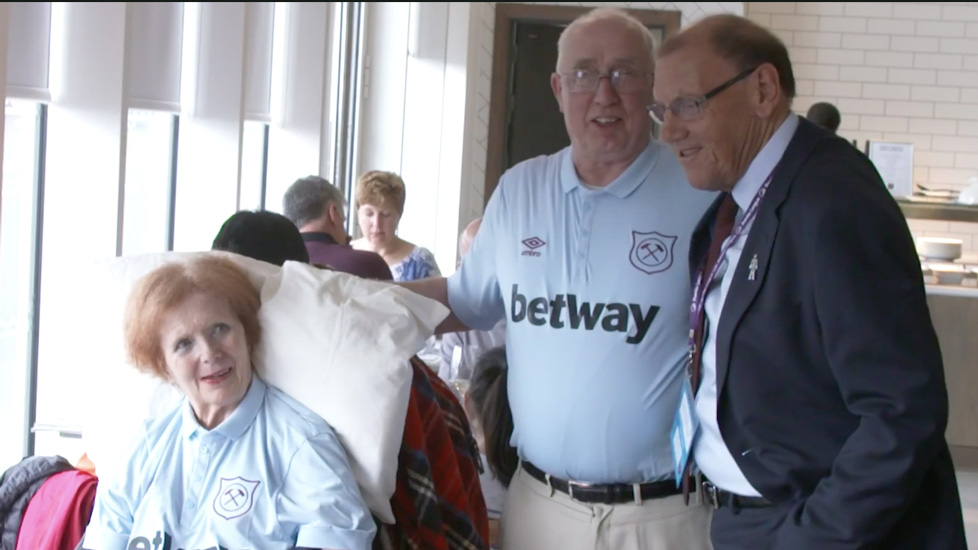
(825, 115)
(815, 402)
(261, 235)
(318, 209)
(491, 415)
(487, 406)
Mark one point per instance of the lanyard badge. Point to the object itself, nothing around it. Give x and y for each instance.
(685, 424)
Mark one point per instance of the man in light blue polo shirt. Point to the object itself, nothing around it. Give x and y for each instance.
(188, 488)
(584, 254)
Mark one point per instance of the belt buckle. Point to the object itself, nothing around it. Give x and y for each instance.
(710, 493)
(570, 490)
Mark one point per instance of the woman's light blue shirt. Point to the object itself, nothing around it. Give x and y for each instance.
(273, 476)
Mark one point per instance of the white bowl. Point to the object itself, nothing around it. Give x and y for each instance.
(939, 248)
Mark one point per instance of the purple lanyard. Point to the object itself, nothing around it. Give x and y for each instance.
(699, 289)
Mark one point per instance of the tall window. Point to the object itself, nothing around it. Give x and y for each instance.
(150, 150)
(18, 252)
(254, 166)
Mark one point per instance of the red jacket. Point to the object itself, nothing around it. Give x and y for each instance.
(58, 513)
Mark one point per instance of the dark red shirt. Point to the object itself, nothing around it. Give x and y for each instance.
(324, 250)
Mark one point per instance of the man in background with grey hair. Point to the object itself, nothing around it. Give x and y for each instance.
(317, 208)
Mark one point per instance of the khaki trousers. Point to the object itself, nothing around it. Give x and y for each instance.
(539, 518)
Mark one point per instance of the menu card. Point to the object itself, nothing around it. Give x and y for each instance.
(894, 162)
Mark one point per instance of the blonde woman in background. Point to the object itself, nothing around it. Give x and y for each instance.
(379, 204)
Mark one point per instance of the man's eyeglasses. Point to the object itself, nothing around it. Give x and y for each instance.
(586, 81)
(688, 109)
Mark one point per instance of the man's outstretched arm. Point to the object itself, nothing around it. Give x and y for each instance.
(436, 288)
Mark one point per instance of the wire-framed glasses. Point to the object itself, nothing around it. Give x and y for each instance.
(585, 81)
(690, 108)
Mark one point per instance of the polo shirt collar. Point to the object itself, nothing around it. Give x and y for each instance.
(764, 163)
(624, 185)
(239, 420)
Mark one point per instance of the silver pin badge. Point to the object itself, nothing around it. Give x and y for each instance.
(752, 273)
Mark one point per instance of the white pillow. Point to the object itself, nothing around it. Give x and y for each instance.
(337, 343)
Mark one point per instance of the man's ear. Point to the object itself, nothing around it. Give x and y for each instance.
(768, 90)
(335, 214)
(557, 86)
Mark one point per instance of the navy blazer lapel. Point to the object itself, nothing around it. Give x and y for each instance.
(760, 242)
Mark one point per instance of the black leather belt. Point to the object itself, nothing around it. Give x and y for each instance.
(717, 497)
(616, 493)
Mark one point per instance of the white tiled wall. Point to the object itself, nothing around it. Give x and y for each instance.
(898, 71)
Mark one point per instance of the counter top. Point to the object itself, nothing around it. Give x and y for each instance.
(938, 211)
(952, 290)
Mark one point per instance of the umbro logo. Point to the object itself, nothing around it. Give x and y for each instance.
(532, 244)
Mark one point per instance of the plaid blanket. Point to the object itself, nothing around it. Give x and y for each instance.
(438, 503)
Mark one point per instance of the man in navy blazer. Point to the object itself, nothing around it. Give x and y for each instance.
(822, 403)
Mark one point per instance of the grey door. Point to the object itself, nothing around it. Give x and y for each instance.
(535, 126)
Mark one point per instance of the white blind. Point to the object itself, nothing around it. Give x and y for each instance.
(155, 49)
(260, 20)
(28, 50)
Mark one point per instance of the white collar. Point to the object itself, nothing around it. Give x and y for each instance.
(763, 164)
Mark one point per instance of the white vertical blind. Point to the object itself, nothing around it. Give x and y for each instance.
(155, 37)
(209, 152)
(84, 174)
(382, 118)
(305, 63)
(260, 18)
(295, 147)
(28, 50)
(4, 27)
